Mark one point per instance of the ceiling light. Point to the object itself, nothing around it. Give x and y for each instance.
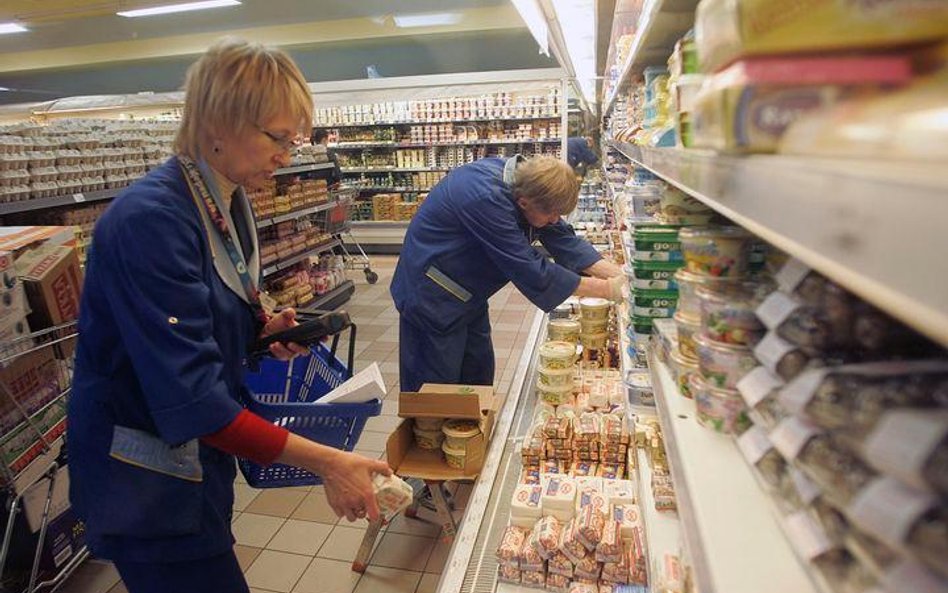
(437, 19)
(186, 7)
(11, 28)
(577, 22)
(532, 15)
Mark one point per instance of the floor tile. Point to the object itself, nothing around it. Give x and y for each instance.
(315, 507)
(328, 576)
(390, 408)
(439, 555)
(277, 571)
(382, 424)
(256, 530)
(118, 588)
(244, 495)
(408, 552)
(428, 583)
(373, 440)
(246, 555)
(276, 502)
(342, 543)
(387, 580)
(94, 576)
(403, 524)
(300, 537)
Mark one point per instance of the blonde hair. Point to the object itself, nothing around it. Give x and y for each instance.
(548, 183)
(237, 85)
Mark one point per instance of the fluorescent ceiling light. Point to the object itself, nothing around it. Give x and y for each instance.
(11, 28)
(186, 7)
(532, 15)
(578, 24)
(436, 19)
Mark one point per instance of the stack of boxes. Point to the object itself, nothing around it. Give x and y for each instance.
(383, 206)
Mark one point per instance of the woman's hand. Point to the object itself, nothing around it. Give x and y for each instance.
(348, 481)
(283, 320)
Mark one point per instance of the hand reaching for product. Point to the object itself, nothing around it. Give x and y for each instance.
(348, 481)
(618, 289)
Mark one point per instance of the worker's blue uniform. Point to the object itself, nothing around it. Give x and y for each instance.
(467, 240)
(578, 154)
(164, 327)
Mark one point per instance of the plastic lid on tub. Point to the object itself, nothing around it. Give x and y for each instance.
(558, 349)
(682, 360)
(461, 428)
(455, 451)
(594, 302)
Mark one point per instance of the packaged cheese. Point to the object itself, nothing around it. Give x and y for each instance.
(560, 564)
(570, 544)
(525, 506)
(619, 492)
(610, 546)
(392, 494)
(557, 583)
(559, 495)
(530, 559)
(590, 523)
(546, 536)
(508, 551)
(508, 574)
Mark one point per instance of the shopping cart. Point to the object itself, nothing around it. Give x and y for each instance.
(338, 225)
(287, 393)
(37, 378)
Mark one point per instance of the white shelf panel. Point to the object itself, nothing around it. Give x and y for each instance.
(382, 232)
(662, 23)
(877, 228)
(661, 529)
(730, 533)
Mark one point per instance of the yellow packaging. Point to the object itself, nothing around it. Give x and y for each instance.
(729, 29)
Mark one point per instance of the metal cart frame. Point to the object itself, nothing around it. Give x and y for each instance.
(338, 225)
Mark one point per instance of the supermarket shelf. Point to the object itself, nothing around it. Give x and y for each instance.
(837, 216)
(435, 121)
(304, 168)
(394, 189)
(662, 530)
(357, 145)
(282, 265)
(265, 222)
(663, 22)
(392, 169)
(379, 232)
(729, 531)
(331, 300)
(56, 201)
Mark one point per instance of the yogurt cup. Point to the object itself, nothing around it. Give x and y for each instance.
(428, 439)
(558, 355)
(594, 341)
(682, 368)
(723, 365)
(640, 387)
(429, 423)
(653, 275)
(688, 285)
(688, 328)
(657, 304)
(556, 378)
(721, 410)
(554, 396)
(656, 239)
(728, 316)
(595, 326)
(721, 252)
(563, 330)
(459, 431)
(454, 456)
(594, 308)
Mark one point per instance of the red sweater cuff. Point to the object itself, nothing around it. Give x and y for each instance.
(251, 437)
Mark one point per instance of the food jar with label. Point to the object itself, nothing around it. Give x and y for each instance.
(721, 252)
(728, 313)
(723, 365)
(556, 396)
(459, 431)
(682, 368)
(558, 355)
(429, 423)
(688, 328)
(556, 378)
(721, 410)
(455, 456)
(593, 326)
(594, 341)
(428, 439)
(592, 308)
(563, 330)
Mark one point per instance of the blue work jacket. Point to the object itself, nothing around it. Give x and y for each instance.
(163, 331)
(578, 152)
(468, 240)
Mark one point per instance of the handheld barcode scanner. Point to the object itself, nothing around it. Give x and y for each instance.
(306, 333)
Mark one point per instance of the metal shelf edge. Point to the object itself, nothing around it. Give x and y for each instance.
(282, 265)
(303, 168)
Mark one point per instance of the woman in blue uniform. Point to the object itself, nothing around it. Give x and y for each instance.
(579, 154)
(471, 236)
(169, 308)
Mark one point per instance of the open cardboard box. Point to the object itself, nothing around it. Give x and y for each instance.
(441, 401)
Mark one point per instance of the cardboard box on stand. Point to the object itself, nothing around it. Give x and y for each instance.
(53, 282)
(441, 401)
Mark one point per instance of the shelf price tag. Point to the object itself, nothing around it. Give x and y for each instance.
(78, 198)
(888, 509)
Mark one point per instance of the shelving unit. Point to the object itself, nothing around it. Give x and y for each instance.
(837, 216)
(333, 299)
(662, 531)
(392, 169)
(729, 530)
(434, 121)
(357, 145)
(290, 262)
(266, 222)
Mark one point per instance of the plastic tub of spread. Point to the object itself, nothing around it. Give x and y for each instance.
(721, 252)
(594, 341)
(657, 304)
(455, 457)
(563, 330)
(723, 365)
(429, 423)
(594, 308)
(558, 355)
(682, 368)
(428, 439)
(656, 239)
(688, 285)
(594, 326)
(721, 410)
(640, 387)
(459, 431)
(688, 328)
(728, 314)
(553, 395)
(556, 378)
(654, 275)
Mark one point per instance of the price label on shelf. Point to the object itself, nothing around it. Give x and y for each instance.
(78, 198)
(754, 444)
(903, 441)
(758, 384)
(807, 536)
(887, 509)
(791, 435)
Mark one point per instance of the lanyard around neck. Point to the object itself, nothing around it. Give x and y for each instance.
(202, 188)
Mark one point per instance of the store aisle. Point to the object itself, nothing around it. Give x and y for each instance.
(289, 540)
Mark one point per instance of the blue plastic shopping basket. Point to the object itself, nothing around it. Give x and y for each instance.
(287, 394)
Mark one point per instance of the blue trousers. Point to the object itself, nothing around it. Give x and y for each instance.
(218, 574)
(464, 356)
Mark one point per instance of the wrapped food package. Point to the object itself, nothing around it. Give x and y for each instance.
(584, 469)
(577, 587)
(536, 580)
(610, 545)
(525, 507)
(591, 497)
(508, 574)
(760, 453)
(588, 568)
(589, 482)
(545, 537)
(759, 389)
(530, 475)
(511, 542)
(590, 523)
(911, 445)
(560, 563)
(557, 583)
(559, 496)
(781, 358)
(611, 471)
(570, 544)
(530, 559)
(587, 427)
(392, 494)
(619, 492)
(629, 519)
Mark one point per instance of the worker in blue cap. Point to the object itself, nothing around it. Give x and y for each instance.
(579, 154)
(471, 236)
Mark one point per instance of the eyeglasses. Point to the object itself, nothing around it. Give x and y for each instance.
(285, 143)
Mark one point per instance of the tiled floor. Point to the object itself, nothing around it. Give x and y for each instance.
(289, 540)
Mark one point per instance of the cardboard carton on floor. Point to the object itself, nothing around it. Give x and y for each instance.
(441, 401)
